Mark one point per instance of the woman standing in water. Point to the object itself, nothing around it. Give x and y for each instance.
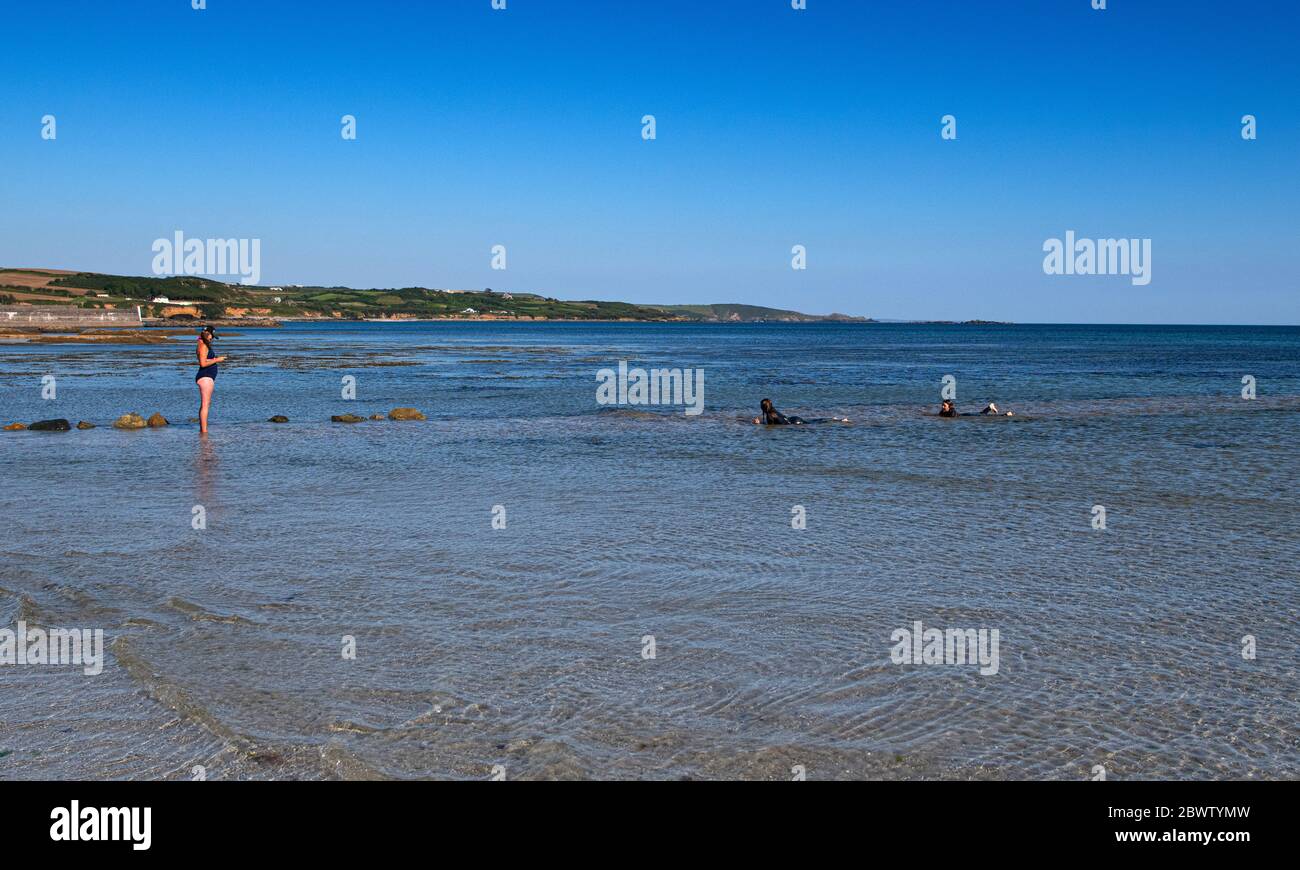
(207, 376)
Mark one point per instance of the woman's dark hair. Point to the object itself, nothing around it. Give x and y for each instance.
(765, 405)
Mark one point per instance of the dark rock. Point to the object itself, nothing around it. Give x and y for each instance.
(347, 418)
(157, 421)
(50, 426)
(278, 418)
(129, 421)
(84, 425)
(405, 414)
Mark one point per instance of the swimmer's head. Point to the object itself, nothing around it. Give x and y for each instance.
(765, 406)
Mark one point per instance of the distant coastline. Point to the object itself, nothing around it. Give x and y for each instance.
(66, 299)
(184, 298)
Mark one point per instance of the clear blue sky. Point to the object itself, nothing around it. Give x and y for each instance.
(775, 127)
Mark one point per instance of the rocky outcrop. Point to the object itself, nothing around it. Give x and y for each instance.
(405, 414)
(50, 426)
(84, 425)
(156, 421)
(189, 312)
(15, 427)
(129, 421)
(278, 418)
(376, 416)
(347, 418)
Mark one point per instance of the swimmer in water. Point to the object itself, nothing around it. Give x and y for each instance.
(206, 378)
(947, 409)
(772, 417)
(992, 409)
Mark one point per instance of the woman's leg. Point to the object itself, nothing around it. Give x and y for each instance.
(205, 401)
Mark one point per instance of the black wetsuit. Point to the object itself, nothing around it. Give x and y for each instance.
(776, 418)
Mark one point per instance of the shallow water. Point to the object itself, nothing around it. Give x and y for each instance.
(522, 647)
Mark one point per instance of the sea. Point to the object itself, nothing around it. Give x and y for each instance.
(538, 582)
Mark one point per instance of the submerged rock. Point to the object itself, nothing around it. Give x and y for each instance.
(15, 427)
(156, 421)
(405, 414)
(84, 425)
(278, 418)
(50, 426)
(347, 418)
(129, 421)
(376, 416)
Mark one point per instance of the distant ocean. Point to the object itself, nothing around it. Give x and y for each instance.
(649, 608)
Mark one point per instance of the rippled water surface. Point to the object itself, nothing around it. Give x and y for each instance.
(522, 647)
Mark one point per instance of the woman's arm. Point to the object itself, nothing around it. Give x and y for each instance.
(205, 360)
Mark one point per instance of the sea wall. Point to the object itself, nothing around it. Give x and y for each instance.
(65, 315)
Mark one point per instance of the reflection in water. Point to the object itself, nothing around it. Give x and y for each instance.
(206, 469)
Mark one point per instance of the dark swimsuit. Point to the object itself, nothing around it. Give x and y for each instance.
(776, 418)
(207, 371)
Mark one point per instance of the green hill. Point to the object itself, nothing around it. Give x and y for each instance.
(218, 299)
(728, 311)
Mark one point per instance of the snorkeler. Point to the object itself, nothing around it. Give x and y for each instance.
(948, 409)
(772, 417)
